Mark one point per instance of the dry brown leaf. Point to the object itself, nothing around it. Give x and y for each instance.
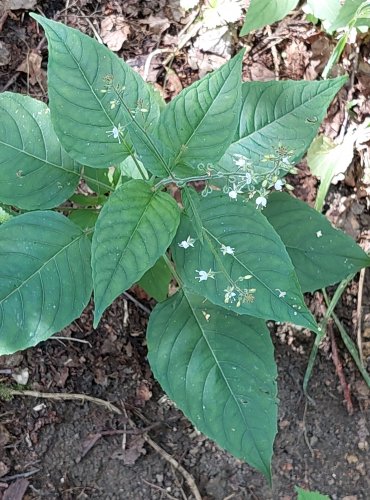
(156, 24)
(32, 66)
(16, 490)
(4, 54)
(143, 393)
(114, 32)
(17, 4)
(133, 451)
(258, 72)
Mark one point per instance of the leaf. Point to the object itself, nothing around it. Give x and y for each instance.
(325, 11)
(259, 255)
(156, 280)
(85, 219)
(99, 180)
(219, 369)
(198, 125)
(321, 254)
(35, 171)
(286, 113)
(310, 495)
(130, 169)
(263, 12)
(45, 278)
(86, 105)
(328, 160)
(346, 14)
(134, 228)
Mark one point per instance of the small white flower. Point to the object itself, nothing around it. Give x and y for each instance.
(279, 185)
(261, 202)
(240, 161)
(203, 275)
(229, 294)
(227, 250)
(115, 133)
(281, 294)
(319, 234)
(189, 242)
(233, 194)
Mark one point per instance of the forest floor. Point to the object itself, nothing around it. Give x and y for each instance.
(75, 449)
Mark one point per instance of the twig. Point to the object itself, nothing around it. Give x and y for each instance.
(339, 368)
(137, 303)
(60, 396)
(188, 477)
(274, 53)
(3, 18)
(305, 431)
(155, 486)
(359, 312)
(150, 58)
(21, 475)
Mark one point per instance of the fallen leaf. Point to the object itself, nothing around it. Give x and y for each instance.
(4, 469)
(32, 66)
(4, 54)
(156, 24)
(18, 4)
(143, 393)
(16, 490)
(217, 41)
(134, 450)
(114, 32)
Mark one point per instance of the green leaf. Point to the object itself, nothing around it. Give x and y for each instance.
(156, 280)
(310, 495)
(200, 123)
(83, 76)
(130, 169)
(259, 255)
(45, 278)
(35, 172)
(134, 229)
(98, 179)
(263, 12)
(321, 254)
(85, 219)
(325, 11)
(219, 369)
(327, 160)
(286, 113)
(346, 14)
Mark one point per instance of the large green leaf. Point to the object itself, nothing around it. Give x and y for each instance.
(286, 113)
(219, 369)
(325, 11)
(35, 172)
(156, 280)
(199, 124)
(86, 110)
(257, 252)
(45, 277)
(263, 12)
(133, 230)
(346, 14)
(321, 254)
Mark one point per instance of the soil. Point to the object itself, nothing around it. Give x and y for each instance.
(75, 449)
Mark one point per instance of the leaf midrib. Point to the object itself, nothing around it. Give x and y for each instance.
(249, 136)
(53, 257)
(224, 378)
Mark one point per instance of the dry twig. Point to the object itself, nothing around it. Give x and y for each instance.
(339, 368)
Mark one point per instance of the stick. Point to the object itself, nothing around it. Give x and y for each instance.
(339, 369)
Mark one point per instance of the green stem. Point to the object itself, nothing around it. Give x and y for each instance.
(172, 269)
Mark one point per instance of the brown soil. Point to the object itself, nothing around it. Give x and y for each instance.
(75, 450)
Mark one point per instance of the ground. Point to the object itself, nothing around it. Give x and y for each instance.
(72, 449)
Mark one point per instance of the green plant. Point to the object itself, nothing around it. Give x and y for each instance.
(235, 265)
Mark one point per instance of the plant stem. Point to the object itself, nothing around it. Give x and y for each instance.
(172, 269)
